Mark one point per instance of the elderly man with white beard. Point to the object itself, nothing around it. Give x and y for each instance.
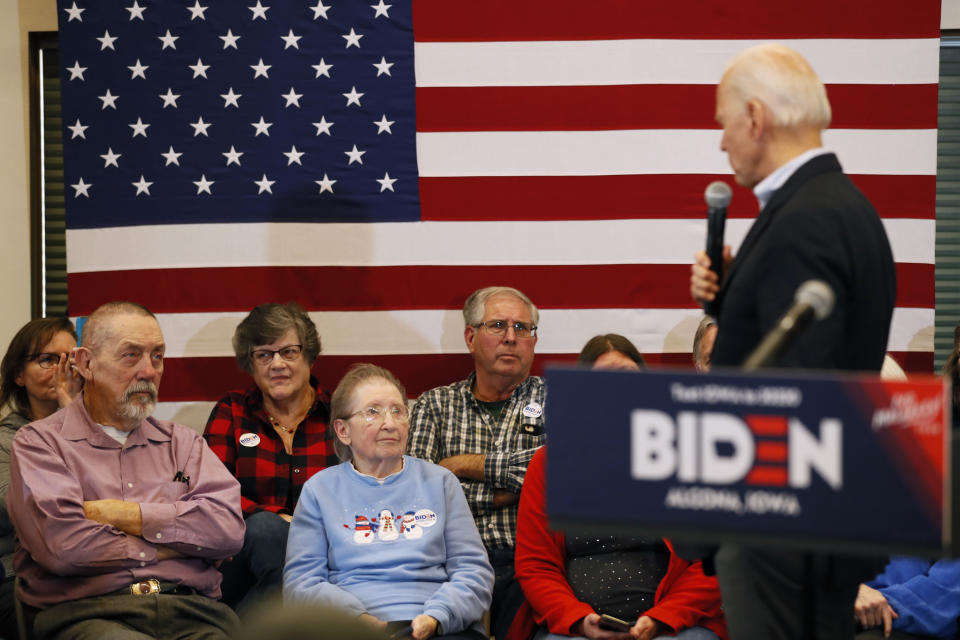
(121, 518)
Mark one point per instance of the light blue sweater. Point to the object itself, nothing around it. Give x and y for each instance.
(393, 550)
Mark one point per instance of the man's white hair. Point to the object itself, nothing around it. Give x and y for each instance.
(784, 81)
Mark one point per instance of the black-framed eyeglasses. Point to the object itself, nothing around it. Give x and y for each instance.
(378, 415)
(265, 356)
(499, 328)
(46, 360)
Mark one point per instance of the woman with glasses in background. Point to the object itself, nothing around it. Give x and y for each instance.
(36, 380)
(384, 536)
(272, 437)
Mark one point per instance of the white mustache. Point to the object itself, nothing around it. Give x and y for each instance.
(143, 386)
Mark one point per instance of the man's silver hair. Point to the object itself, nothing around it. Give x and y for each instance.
(474, 307)
(705, 323)
(784, 81)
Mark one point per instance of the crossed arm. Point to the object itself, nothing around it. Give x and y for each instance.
(124, 516)
(68, 535)
(470, 466)
(502, 472)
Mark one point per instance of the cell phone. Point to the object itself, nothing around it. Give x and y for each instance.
(614, 624)
(406, 632)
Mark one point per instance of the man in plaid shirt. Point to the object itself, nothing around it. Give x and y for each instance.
(486, 428)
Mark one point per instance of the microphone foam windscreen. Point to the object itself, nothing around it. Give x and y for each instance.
(818, 295)
(718, 195)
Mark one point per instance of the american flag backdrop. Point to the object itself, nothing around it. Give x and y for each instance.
(378, 162)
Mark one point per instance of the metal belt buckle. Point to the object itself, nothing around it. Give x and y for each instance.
(145, 587)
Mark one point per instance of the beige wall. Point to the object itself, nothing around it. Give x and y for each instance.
(17, 20)
(14, 232)
(950, 14)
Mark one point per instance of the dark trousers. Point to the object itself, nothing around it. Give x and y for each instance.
(466, 634)
(507, 594)
(8, 610)
(129, 617)
(772, 594)
(877, 634)
(257, 571)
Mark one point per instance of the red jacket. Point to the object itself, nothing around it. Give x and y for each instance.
(684, 598)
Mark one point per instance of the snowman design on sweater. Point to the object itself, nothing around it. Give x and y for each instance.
(388, 527)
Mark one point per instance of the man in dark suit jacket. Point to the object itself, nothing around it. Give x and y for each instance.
(813, 223)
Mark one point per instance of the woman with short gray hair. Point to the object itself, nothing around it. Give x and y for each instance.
(272, 436)
(386, 537)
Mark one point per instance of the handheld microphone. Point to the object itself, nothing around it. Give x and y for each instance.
(813, 300)
(718, 196)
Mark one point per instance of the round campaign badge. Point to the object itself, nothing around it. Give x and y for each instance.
(533, 410)
(249, 439)
(425, 518)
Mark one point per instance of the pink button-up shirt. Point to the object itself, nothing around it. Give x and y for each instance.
(61, 461)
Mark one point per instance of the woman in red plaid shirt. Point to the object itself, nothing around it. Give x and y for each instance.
(273, 437)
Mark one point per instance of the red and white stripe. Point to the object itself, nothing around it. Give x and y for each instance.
(563, 148)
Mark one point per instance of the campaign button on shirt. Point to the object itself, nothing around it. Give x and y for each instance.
(249, 439)
(533, 410)
(425, 517)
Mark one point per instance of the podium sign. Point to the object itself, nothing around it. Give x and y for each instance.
(797, 460)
